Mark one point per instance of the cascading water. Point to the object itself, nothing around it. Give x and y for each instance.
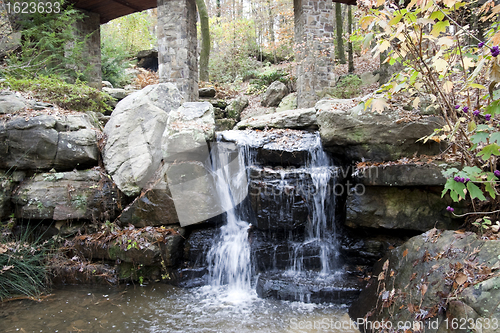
(313, 261)
(229, 258)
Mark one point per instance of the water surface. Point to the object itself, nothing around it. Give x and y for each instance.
(164, 308)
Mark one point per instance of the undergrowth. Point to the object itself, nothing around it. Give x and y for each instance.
(77, 96)
(22, 265)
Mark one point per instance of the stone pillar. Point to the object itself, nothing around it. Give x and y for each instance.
(177, 46)
(314, 38)
(89, 29)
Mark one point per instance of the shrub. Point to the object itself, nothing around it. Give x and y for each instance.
(78, 96)
(348, 86)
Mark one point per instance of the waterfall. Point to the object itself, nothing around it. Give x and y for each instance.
(229, 257)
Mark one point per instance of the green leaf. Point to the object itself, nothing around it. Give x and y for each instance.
(437, 15)
(491, 149)
(439, 27)
(475, 191)
(490, 189)
(480, 137)
(456, 189)
(495, 137)
(396, 19)
(493, 108)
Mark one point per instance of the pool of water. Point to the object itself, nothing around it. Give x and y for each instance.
(163, 308)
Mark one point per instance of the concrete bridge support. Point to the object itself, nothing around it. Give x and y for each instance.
(177, 45)
(315, 55)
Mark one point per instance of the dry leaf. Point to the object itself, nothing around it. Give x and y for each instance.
(386, 265)
(381, 276)
(423, 289)
(448, 87)
(494, 72)
(405, 253)
(379, 104)
(461, 278)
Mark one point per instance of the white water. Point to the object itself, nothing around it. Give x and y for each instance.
(229, 258)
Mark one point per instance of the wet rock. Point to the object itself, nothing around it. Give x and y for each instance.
(66, 196)
(280, 198)
(208, 92)
(296, 119)
(197, 246)
(274, 94)
(68, 271)
(133, 150)
(45, 142)
(399, 208)
(412, 283)
(236, 106)
(276, 147)
(353, 133)
(342, 289)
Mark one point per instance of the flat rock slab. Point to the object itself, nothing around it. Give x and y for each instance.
(417, 208)
(296, 119)
(45, 142)
(353, 133)
(402, 175)
(313, 289)
(147, 246)
(283, 147)
(64, 196)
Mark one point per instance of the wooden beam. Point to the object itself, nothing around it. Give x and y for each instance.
(129, 5)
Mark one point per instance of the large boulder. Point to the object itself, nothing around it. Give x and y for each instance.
(440, 281)
(297, 119)
(70, 195)
(45, 142)
(274, 94)
(357, 134)
(181, 190)
(133, 151)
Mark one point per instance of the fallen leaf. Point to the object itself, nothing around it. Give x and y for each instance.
(386, 265)
(423, 289)
(381, 276)
(405, 253)
(460, 278)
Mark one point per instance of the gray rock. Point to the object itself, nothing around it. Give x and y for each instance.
(402, 175)
(236, 106)
(446, 263)
(274, 94)
(355, 134)
(151, 53)
(117, 93)
(398, 208)
(6, 186)
(207, 92)
(297, 119)
(289, 102)
(45, 142)
(181, 189)
(11, 102)
(224, 124)
(66, 196)
(107, 84)
(133, 150)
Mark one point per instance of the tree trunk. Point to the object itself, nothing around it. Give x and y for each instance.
(205, 39)
(271, 29)
(350, 55)
(340, 32)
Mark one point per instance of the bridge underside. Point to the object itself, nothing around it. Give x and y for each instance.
(177, 41)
